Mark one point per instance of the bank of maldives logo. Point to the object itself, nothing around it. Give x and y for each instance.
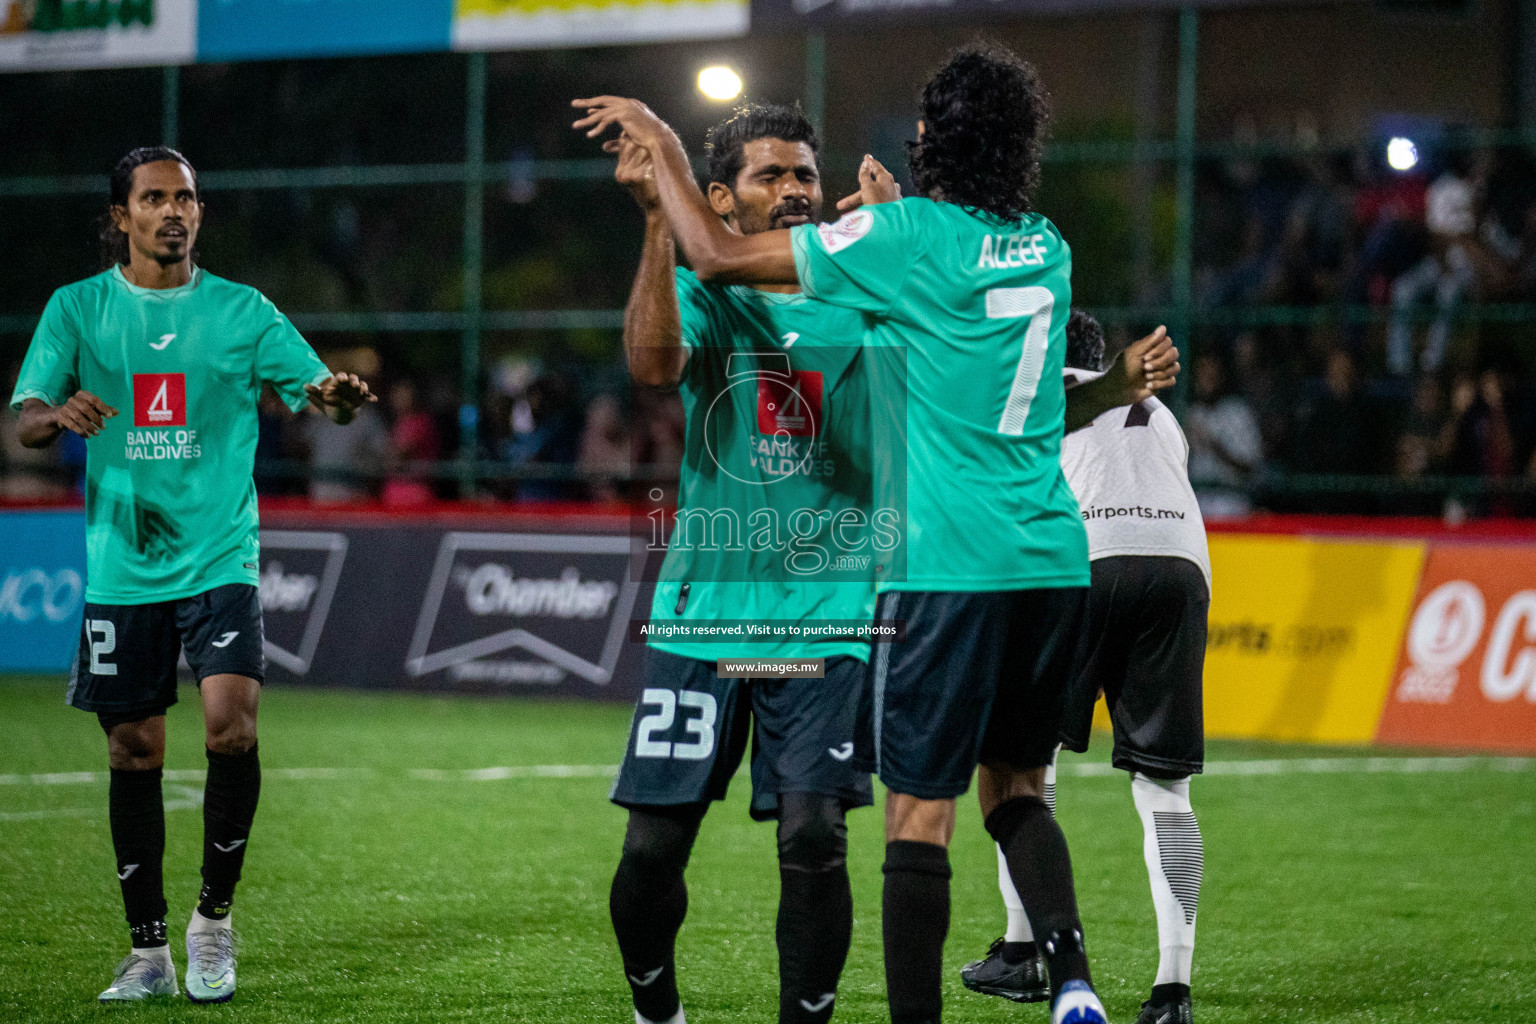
(159, 400)
(561, 602)
(779, 439)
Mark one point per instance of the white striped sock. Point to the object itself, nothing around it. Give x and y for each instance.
(1175, 858)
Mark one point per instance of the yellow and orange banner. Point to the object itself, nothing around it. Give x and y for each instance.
(1414, 642)
(1304, 634)
(1466, 676)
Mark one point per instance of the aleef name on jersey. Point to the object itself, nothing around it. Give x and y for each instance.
(998, 251)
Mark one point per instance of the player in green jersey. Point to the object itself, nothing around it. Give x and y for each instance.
(159, 365)
(971, 288)
(774, 405)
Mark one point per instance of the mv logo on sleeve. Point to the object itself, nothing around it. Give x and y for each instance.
(159, 400)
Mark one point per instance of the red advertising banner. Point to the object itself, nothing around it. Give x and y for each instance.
(1466, 676)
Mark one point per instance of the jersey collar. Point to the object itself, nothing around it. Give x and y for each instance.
(161, 293)
(772, 298)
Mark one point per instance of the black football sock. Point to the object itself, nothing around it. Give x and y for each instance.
(915, 920)
(648, 902)
(1166, 995)
(1041, 869)
(815, 925)
(229, 807)
(137, 814)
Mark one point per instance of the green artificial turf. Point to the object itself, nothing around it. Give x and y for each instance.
(396, 888)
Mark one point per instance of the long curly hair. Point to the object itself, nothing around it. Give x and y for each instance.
(984, 120)
(1085, 342)
(114, 244)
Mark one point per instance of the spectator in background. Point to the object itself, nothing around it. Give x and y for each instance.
(605, 448)
(1506, 230)
(1444, 276)
(1417, 450)
(546, 432)
(1477, 439)
(1337, 431)
(413, 438)
(345, 461)
(1224, 446)
(1423, 428)
(1259, 382)
(279, 447)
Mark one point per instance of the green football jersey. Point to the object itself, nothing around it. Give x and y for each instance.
(773, 522)
(969, 316)
(170, 506)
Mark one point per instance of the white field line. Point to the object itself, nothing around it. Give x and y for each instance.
(538, 771)
(1093, 769)
(180, 798)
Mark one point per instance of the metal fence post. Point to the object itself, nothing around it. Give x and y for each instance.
(474, 260)
(1183, 242)
(170, 105)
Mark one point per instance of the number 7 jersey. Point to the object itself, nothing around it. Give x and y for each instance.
(966, 315)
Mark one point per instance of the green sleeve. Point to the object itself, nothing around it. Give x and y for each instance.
(285, 360)
(49, 370)
(860, 261)
(692, 309)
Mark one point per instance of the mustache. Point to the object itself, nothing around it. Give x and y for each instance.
(791, 208)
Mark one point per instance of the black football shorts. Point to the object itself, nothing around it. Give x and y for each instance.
(691, 730)
(126, 668)
(979, 678)
(1146, 654)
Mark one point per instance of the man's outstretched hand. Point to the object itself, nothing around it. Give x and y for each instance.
(876, 185)
(634, 118)
(342, 392)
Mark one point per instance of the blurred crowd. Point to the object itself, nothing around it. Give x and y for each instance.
(1342, 333)
(1371, 364)
(545, 434)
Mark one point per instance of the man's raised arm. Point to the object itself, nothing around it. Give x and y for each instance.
(653, 334)
(716, 252)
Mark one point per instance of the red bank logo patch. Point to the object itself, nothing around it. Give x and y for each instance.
(789, 404)
(159, 400)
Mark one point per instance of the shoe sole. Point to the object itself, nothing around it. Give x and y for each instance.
(1013, 995)
(205, 1002)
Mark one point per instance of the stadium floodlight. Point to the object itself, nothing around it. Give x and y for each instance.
(719, 83)
(1402, 154)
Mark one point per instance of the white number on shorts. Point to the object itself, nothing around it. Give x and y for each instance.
(650, 725)
(701, 728)
(1036, 304)
(106, 645)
